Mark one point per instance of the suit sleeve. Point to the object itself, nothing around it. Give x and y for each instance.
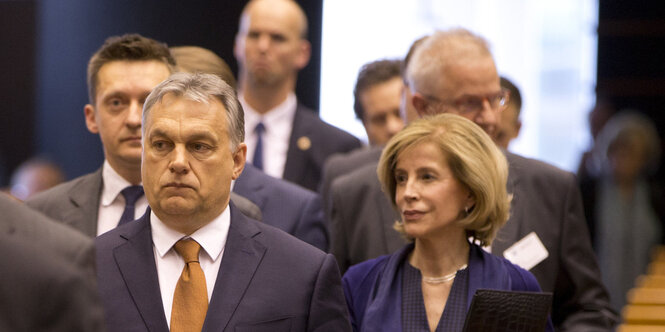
(311, 228)
(338, 236)
(328, 310)
(581, 298)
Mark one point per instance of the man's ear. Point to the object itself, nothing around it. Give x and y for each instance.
(518, 127)
(239, 158)
(420, 104)
(304, 54)
(90, 119)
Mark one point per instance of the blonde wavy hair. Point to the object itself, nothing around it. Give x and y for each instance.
(474, 160)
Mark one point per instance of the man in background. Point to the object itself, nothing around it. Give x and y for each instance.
(284, 138)
(509, 125)
(283, 204)
(121, 74)
(377, 100)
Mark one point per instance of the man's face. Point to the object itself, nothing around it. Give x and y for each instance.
(188, 164)
(269, 47)
(467, 83)
(122, 87)
(508, 127)
(381, 104)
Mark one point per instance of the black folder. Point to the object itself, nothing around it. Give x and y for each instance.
(497, 311)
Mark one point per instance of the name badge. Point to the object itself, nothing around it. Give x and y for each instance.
(527, 252)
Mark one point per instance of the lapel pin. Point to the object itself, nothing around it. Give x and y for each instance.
(304, 143)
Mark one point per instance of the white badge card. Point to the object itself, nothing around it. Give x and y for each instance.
(527, 252)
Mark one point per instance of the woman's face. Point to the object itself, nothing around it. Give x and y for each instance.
(429, 198)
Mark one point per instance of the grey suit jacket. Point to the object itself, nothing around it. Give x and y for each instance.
(42, 290)
(19, 221)
(343, 163)
(546, 201)
(76, 203)
(268, 281)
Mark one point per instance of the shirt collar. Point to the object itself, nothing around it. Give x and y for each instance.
(282, 112)
(114, 183)
(211, 237)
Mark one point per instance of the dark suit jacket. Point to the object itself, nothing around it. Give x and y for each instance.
(43, 290)
(268, 281)
(285, 205)
(545, 200)
(76, 203)
(343, 163)
(25, 224)
(318, 141)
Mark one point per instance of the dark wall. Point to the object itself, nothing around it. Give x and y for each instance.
(17, 88)
(631, 57)
(70, 31)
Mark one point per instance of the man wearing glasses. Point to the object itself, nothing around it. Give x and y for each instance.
(453, 72)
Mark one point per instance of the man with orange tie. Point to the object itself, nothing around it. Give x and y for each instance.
(194, 263)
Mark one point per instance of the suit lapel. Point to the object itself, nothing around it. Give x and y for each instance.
(136, 263)
(85, 200)
(242, 256)
(296, 158)
(509, 233)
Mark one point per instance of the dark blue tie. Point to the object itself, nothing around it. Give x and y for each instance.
(258, 152)
(131, 194)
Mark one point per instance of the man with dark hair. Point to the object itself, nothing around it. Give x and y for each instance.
(377, 99)
(284, 138)
(121, 74)
(509, 125)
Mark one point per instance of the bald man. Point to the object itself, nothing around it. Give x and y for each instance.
(285, 139)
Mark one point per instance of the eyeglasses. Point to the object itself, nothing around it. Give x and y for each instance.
(475, 104)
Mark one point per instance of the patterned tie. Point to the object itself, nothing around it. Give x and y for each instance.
(258, 153)
(190, 299)
(131, 194)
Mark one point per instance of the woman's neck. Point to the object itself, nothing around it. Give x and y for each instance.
(440, 256)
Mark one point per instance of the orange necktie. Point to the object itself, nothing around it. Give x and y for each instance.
(190, 300)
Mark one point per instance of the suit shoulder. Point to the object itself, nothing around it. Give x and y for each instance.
(279, 186)
(533, 169)
(57, 194)
(276, 240)
(324, 129)
(364, 177)
(354, 159)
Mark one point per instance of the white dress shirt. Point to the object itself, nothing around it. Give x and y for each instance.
(211, 237)
(278, 124)
(112, 203)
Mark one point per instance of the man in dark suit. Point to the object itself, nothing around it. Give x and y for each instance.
(48, 274)
(242, 274)
(454, 72)
(120, 76)
(284, 138)
(284, 205)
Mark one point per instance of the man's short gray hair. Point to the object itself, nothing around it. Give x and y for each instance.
(202, 88)
(438, 51)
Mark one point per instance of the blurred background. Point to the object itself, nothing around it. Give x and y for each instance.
(562, 54)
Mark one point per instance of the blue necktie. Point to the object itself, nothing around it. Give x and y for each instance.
(258, 152)
(131, 194)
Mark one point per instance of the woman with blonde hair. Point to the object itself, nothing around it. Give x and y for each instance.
(447, 180)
